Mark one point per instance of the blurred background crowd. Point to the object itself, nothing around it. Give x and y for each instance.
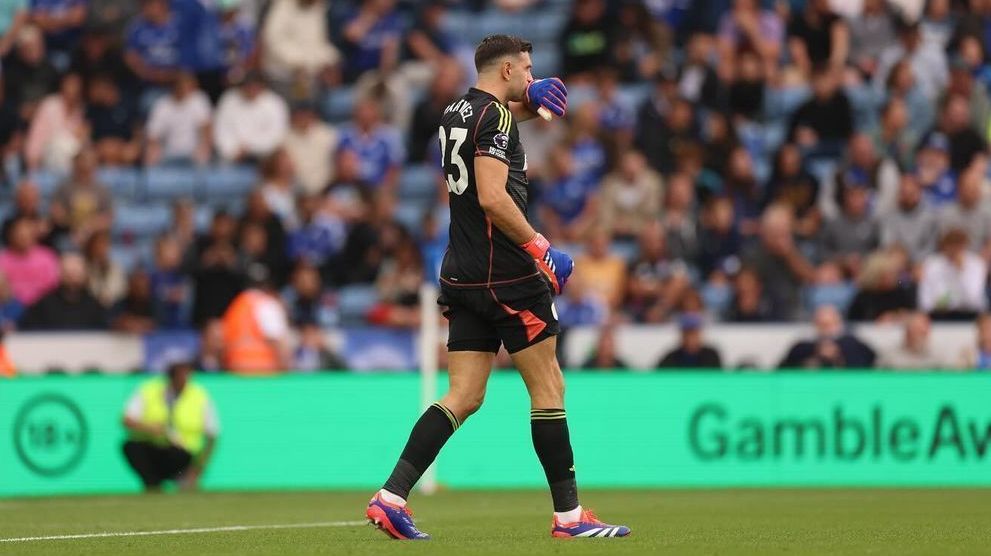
(722, 160)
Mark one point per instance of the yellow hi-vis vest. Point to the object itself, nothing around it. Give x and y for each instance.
(186, 420)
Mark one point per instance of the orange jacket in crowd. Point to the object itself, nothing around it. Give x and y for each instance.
(256, 330)
(6, 365)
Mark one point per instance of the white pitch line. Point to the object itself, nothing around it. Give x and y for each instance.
(223, 529)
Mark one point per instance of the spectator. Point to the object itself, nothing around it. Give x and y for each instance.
(27, 204)
(184, 226)
(580, 305)
(69, 306)
(378, 145)
(743, 190)
(216, 276)
(698, 82)
(113, 121)
(747, 85)
(832, 347)
(100, 53)
(870, 33)
(428, 41)
(313, 352)
(893, 138)
(398, 286)
(679, 218)
(782, 268)
(691, 353)
(978, 358)
(818, 36)
(61, 21)
(748, 27)
(372, 39)
(937, 24)
(36, 76)
(273, 254)
(748, 303)
(237, 41)
(279, 187)
(444, 90)
(606, 356)
(911, 224)
(296, 49)
(863, 165)
(719, 239)
(304, 300)
(10, 308)
(172, 428)
(153, 48)
(964, 142)
(107, 281)
(885, 289)
(58, 129)
(602, 272)
(970, 212)
(661, 139)
(211, 356)
(584, 42)
(792, 185)
(179, 125)
(110, 15)
(13, 18)
(937, 179)
(169, 286)
(251, 121)
(630, 196)
(320, 237)
(567, 203)
(915, 353)
(901, 84)
(82, 204)
(853, 233)
(825, 121)
(617, 115)
(310, 144)
(952, 283)
(928, 63)
(135, 312)
(31, 269)
(656, 280)
(651, 116)
(256, 330)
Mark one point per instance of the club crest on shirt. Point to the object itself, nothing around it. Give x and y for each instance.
(501, 140)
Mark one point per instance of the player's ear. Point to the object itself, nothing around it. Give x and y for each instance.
(507, 69)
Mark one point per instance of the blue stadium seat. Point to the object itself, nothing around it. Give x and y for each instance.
(132, 256)
(354, 302)
(418, 182)
(46, 181)
(717, 299)
(839, 295)
(141, 220)
(546, 59)
(168, 183)
(338, 104)
(410, 213)
(228, 182)
(122, 182)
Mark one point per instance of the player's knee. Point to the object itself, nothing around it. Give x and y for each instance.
(464, 404)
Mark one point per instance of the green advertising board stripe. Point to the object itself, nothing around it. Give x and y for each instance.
(64, 434)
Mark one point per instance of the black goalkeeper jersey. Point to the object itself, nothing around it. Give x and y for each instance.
(479, 255)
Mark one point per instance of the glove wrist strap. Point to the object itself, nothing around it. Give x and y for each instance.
(537, 246)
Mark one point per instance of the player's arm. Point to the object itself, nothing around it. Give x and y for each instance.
(521, 112)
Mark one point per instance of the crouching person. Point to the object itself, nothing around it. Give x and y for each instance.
(172, 428)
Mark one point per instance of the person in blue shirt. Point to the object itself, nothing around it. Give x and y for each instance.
(379, 146)
(320, 237)
(199, 42)
(152, 45)
(62, 23)
(237, 41)
(565, 209)
(372, 38)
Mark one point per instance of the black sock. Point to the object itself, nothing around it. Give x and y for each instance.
(429, 435)
(553, 445)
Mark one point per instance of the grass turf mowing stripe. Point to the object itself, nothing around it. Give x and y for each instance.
(221, 529)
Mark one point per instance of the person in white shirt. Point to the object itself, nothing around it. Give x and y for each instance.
(311, 144)
(251, 121)
(952, 283)
(295, 43)
(179, 125)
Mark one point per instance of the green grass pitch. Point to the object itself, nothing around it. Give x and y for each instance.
(749, 521)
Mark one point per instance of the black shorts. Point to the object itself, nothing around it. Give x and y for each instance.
(516, 315)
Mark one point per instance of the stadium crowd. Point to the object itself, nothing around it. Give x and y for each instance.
(733, 160)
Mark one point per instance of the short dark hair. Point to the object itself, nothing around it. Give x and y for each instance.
(494, 47)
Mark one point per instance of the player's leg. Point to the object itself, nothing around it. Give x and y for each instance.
(529, 333)
(468, 374)
(472, 343)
